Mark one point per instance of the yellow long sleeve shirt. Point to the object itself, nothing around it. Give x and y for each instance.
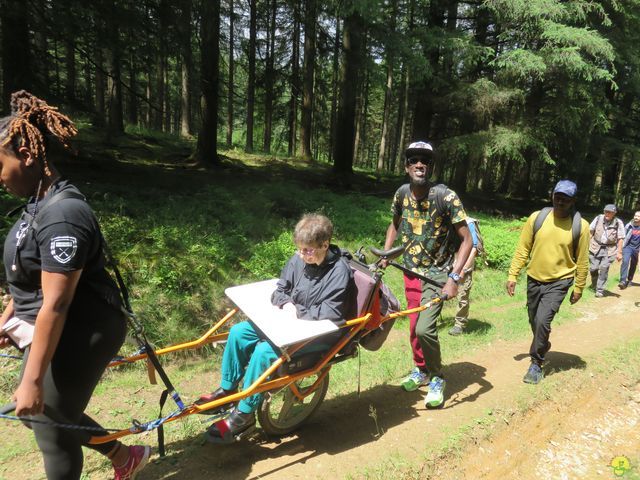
(550, 256)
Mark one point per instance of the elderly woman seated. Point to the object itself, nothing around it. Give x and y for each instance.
(316, 283)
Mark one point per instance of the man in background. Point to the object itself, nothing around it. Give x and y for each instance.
(607, 236)
(466, 279)
(630, 249)
(557, 251)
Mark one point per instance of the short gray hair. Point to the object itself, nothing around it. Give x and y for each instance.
(313, 229)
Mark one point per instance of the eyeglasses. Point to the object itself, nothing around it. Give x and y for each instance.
(415, 160)
(307, 251)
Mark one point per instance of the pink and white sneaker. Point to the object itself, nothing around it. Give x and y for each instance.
(138, 459)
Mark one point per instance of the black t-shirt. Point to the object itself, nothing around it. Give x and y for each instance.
(63, 237)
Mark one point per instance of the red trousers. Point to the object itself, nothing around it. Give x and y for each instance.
(413, 292)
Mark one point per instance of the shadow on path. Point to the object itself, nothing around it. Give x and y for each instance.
(461, 376)
(341, 424)
(558, 362)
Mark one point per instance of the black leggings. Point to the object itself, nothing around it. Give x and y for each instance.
(92, 335)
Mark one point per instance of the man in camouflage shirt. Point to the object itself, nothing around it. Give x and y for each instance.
(431, 222)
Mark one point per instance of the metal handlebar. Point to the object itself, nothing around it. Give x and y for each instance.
(396, 252)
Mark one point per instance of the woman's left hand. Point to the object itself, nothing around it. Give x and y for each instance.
(29, 398)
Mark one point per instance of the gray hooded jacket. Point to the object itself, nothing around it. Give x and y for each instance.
(319, 292)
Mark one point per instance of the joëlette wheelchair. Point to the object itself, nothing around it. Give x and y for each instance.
(294, 385)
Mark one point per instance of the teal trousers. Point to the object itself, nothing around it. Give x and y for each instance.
(248, 355)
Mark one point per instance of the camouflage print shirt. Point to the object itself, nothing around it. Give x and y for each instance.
(429, 235)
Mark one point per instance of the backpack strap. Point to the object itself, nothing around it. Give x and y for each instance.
(542, 215)
(138, 332)
(55, 199)
(576, 227)
(436, 195)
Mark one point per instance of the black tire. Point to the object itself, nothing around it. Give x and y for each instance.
(281, 412)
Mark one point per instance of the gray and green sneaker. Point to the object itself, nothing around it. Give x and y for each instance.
(415, 380)
(435, 397)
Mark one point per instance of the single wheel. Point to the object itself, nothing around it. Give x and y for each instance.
(282, 411)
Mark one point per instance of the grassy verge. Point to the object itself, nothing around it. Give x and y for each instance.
(619, 359)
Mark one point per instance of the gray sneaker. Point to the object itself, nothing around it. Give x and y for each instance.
(534, 375)
(456, 330)
(599, 294)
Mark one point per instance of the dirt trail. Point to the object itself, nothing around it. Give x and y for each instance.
(343, 439)
(575, 437)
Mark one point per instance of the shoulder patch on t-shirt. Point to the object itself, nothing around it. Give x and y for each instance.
(63, 248)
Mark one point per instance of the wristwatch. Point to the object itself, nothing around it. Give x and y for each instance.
(454, 276)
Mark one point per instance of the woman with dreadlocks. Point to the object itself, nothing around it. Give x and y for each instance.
(65, 309)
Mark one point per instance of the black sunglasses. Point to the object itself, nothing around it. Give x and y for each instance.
(423, 160)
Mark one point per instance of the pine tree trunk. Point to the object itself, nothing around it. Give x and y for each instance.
(41, 41)
(269, 79)
(16, 58)
(115, 125)
(295, 81)
(88, 92)
(334, 82)
(187, 67)
(167, 97)
(428, 91)
(100, 81)
(349, 79)
(150, 100)
(70, 65)
(160, 90)
(132, 110)
(230, 79)
(401, 128)
(207, 149)
(388, 91)
(251, 81)
(307, 86)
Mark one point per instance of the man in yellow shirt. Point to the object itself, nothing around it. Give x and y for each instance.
(554, 265)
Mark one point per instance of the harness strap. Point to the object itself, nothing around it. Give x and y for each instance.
(163, 399)
(138, 331)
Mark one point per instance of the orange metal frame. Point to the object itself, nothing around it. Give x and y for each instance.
(261, 384)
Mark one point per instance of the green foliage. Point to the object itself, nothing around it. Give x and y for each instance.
(500, 238)
(269, 257)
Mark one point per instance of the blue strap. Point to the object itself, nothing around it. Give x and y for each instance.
(6, 355)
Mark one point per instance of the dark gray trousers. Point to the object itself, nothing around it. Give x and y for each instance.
(543, 302)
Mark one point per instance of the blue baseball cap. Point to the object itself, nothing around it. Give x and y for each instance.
(566, 187)
(610, 208)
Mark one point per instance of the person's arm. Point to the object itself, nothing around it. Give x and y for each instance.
(474, 250)
(392, 229)
(621, 236)
(282, 294)
(619, 250)
(336, 298)
(592, 225)
(392, 232)
(470, 262)
(7, 313)
(521, 255)
(450, 288)
(58, 290)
